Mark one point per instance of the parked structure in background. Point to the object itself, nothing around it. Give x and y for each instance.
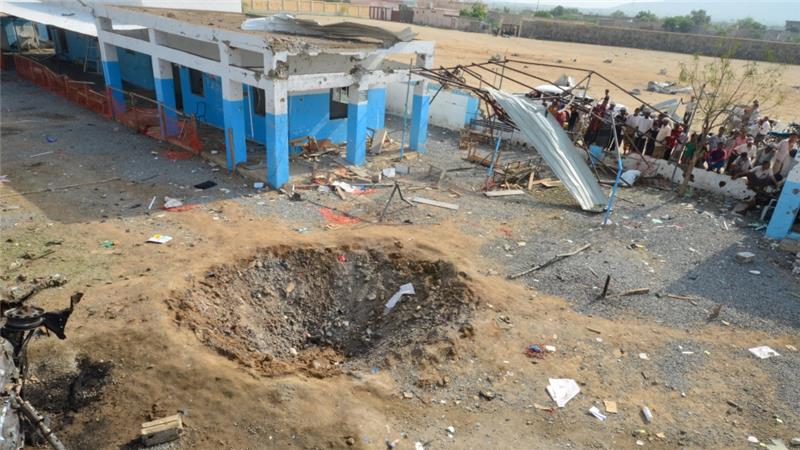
(265, 87)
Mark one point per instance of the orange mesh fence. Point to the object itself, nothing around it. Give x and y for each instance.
(143, 114)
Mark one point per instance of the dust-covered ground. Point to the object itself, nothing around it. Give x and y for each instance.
(253, 321)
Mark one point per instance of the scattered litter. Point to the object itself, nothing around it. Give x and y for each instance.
(170, 202)
(791, 347)
(643, 356)
(258, 185)
(418, 446)
(50, 139)
(4, 179)
(596, 412)
(543, 408)
(389, 172)
(107, 244)
(656, 221)
(755, 272)
(406, 289)
(562, 390)
(647, 414)
(764, 352)
(745, 257)
(205, 185)
(159, 238)
(550, 348)
(752, 439)
(40, 154)
(610, 406)
(451, 430)
(640, 442)
(332, 217)
(534, 351)
(430, 202)
(152, 202)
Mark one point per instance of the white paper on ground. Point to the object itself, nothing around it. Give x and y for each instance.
(596, 412)
(404, 289)
(160, 238)
(764, 352)
(562, 390)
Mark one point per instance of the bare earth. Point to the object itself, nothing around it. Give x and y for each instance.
(631, 68)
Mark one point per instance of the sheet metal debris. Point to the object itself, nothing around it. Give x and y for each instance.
(289, 24)
(542, 132)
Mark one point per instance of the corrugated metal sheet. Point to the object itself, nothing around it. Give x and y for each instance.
(543, 133)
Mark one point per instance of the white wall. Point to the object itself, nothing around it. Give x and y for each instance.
(703, 180)
(448, 110)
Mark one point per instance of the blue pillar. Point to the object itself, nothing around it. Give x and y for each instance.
(357, 126)
(419, 117)
(277, 130)
(165, 94)
(376, 105)
(785, 213)
(233, 114)
(112, 76)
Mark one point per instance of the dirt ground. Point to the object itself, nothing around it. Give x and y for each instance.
(631, 68)
(135, 351)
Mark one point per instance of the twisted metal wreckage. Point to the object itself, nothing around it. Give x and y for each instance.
(21, 324)
(530, 117)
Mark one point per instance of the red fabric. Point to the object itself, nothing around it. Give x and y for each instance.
(333, 217)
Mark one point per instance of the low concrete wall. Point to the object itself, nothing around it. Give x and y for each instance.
(703, 180)
(451, 109)
(751, 49)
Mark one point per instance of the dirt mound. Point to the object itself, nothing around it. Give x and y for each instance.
(323, 308)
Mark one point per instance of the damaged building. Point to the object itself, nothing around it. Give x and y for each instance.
(264, 86)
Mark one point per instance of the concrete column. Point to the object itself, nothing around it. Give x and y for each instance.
(788, 206)
(165, 94)
(233, 114)
(420, 106)
(277, 139)
(376, 105)
(357, 125)
(165, 91)
(111, 71)
(113, 76)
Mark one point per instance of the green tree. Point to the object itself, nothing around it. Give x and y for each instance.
(542, 13)
(700, 18)
(618, 14)
(478, 10)
(718, 88)
(646, 16)
(749, 27)
(680, 24)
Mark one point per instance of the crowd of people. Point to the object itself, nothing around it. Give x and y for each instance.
(744, 147)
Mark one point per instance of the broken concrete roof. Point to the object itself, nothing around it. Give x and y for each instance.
(233, 22)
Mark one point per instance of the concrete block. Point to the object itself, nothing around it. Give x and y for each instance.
(745, 257)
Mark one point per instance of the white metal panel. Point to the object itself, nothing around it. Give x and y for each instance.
(541, 131)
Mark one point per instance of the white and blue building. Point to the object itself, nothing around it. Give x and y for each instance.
(262, 87)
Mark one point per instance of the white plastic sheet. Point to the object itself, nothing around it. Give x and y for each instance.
(562, 390)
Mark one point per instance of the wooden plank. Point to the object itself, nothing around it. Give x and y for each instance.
(504, 193)
(427, 201)
(162, 430)
(377, 141)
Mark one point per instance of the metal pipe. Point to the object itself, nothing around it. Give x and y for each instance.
(405, 110)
